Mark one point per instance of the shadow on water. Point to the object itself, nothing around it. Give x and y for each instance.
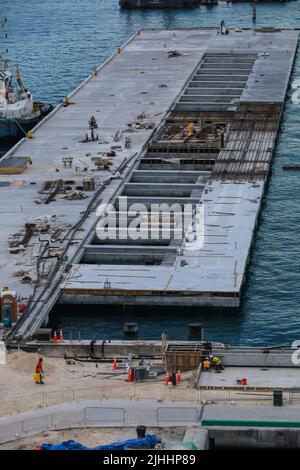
(107, 321)
(6, 145)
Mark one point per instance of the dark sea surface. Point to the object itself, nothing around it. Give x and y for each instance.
(57, 43)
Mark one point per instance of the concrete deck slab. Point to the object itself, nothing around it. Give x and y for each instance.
(274, 377)
(215, 265)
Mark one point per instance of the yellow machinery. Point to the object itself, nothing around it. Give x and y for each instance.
(190, 130)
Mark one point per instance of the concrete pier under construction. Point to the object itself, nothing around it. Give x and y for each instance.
(191, 117)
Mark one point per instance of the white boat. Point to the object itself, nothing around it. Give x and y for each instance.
(18, 112)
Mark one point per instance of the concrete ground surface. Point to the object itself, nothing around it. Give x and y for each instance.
(104, 418)
(260, 377)
(118, 413)
(220, 411)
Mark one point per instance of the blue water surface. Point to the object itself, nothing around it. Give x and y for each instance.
(57, 43)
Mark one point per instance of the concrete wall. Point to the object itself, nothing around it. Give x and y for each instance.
(184, 301)
(251, 437)
(257, 358)
(106, 350)
(199, 437)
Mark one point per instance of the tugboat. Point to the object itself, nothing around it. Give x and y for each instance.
(145, 4)
(18, 112)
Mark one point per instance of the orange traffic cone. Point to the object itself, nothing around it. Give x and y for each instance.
(55, 337)
(22, 308)
(115, 366)
(178, 377)
(130, 375)
(167, 379)
(61, 337)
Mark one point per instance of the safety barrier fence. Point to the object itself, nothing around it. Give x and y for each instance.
(93, 416)
(136, 392)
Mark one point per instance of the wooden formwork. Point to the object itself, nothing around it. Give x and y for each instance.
(185, 357)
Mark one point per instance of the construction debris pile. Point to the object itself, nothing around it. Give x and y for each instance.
(103, 163)
(75, 196)
(34, 227)
(175, 53)
(139, 123)
(65, 189)
(47, 248)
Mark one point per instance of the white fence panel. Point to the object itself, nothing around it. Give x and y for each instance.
(104, 416)
(141, 417)
(68, 419)
(10, 431)
(40, 423)
(183, 416)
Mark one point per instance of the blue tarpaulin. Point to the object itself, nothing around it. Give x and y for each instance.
(147, 442)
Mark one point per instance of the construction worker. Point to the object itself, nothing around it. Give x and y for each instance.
(206, 364)
(39, 372)
(173, 378)
(190, 129)
(216, 363)
(93, 123)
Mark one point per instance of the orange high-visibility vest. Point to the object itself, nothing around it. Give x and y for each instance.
(39, 367)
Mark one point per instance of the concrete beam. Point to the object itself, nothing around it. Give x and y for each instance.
(90, 249)
(204, 106)
(182, 155)
(151, 188)
(148, 200)
(203, 164)
(212, 84)
(223, 74)
(119, 241)
(228, 61)
(94, 257)
(224, 68)
(215, 98)
(219, 78)
(211, 91)
(140, 176)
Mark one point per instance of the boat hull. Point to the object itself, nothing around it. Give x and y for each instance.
(8, 130)
(14, 129)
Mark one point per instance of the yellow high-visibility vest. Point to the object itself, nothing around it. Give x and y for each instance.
(217, 361)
